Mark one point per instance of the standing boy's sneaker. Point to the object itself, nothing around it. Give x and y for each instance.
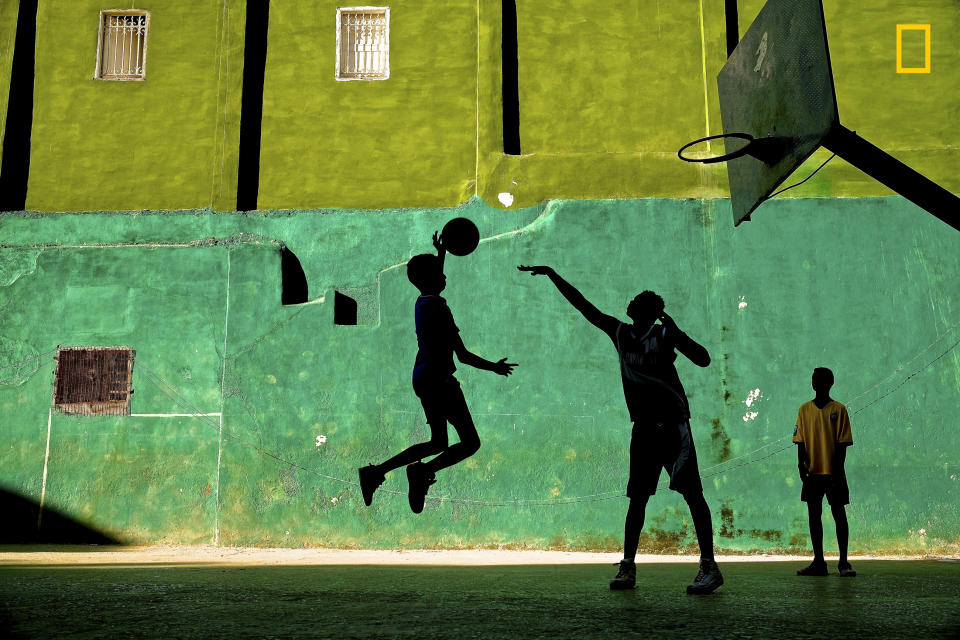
(419, 478)
(370, 479)
(707, 580)
(846, 570)
(626, 576)
(814, 569)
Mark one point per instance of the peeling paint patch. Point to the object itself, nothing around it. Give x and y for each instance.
(505, 198)
(743, 303)
(321, 439)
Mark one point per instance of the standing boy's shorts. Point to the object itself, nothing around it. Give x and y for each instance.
(834, 487)
(442, 401)
(655, 446)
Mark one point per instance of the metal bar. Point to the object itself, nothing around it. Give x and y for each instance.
(886, 169)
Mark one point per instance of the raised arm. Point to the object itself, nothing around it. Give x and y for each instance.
(441, 250)
(501, 366)
(593, 315)
(693, 350)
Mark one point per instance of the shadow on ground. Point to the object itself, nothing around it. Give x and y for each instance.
(892, 599)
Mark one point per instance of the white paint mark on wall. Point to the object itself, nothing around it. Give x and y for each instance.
(46, 460)
(505, 198)
(752, 397)
(750, 415)
(321, 439)
(743, 303)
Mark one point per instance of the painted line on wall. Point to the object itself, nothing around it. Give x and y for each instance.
(703, 61)
(46, 460)
(172, 415)
(226, 326)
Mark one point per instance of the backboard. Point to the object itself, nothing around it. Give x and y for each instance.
(778, 87)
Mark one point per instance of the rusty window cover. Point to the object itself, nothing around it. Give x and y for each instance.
(93, 381)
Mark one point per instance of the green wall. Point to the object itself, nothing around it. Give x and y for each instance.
(167, 142)
(865, 286)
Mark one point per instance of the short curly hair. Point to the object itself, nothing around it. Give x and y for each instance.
(649, 303)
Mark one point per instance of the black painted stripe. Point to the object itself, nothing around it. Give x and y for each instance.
(15, 162)
(511, 81)
(251, 107)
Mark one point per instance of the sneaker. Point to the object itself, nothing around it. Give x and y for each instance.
(846, 570)
(707, 580)
(626, 576)
(370, 479)
(419, 478)
(814, 569)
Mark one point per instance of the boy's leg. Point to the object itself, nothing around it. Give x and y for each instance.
(372, 476)
(814, 509)
(702, 523)
(626, 577)
(468, 445)
(458, 415)
(843, 530)
(708, 577)
(633, 525)
(843, 535)
(436, 444)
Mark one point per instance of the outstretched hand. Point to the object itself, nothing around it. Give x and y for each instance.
(541, 270)
(503, 367)
(438, 242)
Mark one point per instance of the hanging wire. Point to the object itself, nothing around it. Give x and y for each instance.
(797, 184)
(30, 359)
(21, 376)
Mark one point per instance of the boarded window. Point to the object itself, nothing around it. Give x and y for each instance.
(363, 43)
(93, 380)
(122, 45)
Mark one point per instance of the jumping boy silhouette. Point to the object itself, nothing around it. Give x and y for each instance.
(661, 420)
(438, 338)
(822, 435)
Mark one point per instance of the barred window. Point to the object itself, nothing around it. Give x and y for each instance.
(93, 381)
(363, 43)
(122, 45)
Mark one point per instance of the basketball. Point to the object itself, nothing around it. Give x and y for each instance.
(460, 236)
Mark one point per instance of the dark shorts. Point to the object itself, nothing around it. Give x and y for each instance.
(657, 446)
(442, 401)
(834, 487)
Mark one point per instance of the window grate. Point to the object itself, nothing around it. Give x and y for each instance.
(363, 43)
(122, 53)
(93, 380)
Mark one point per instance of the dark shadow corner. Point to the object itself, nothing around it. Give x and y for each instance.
(294, 281)
(344, 309)
(24, 525)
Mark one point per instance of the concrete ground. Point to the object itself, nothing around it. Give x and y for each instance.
(209, 592)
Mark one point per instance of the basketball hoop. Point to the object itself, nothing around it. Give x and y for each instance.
(736, 153)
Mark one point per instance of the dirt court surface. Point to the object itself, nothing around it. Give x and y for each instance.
(216, 592)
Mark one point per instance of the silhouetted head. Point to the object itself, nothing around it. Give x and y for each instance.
(645, 308)
(426, 273)
(822, 380)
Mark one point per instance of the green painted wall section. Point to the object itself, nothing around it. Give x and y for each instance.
(606, 99)
(8, 33)
(168, 141)
(865, 286)
(409, 140)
